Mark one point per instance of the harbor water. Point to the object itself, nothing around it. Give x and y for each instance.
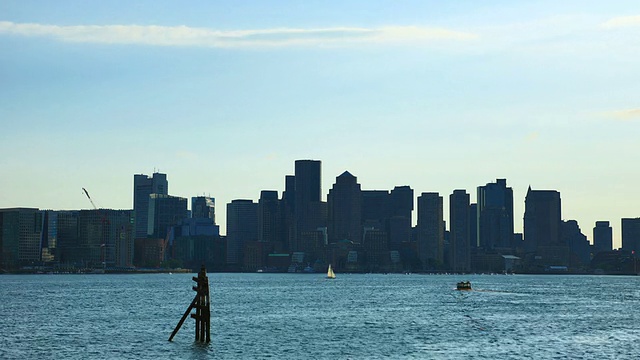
(306, 316)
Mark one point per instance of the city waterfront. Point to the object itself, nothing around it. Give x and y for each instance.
(295, 316)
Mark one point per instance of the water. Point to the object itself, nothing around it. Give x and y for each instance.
(291, 316)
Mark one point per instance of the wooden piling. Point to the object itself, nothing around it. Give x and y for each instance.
(202, 305)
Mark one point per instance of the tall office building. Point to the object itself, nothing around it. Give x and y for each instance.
(203, 207)
(542, 219)
(430, 230)
(165, 211)
(288, 213)
(105, 238)
(242, 227)
(270, 219)
(344, 204)
(495, 215)
(631, 235)
(473, 226)
(310, 213)
(459, 244)
(143, 186)
(602, 237)
(20, 237)
(401, 207)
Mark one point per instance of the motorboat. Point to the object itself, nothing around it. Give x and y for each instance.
(463, 285)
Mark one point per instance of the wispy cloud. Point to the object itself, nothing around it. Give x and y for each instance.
(622, 21)
(204, 37)
(625, 115)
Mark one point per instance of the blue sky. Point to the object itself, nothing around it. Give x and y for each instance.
(223, 96)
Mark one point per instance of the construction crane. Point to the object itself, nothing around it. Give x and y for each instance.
(89, 197)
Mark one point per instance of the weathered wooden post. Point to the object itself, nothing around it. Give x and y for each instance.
(201, 304)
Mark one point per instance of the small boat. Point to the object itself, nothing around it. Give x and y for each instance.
(463, 285)
(330, 274)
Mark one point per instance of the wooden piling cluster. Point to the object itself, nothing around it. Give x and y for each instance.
(201, 303)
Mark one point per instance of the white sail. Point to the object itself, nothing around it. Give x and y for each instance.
(330, 273)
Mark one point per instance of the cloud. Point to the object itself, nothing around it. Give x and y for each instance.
(622, 21)
(625, 115)
(204, 37)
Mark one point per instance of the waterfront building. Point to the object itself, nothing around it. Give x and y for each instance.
(307, 194)
(631, 235)
(270, 220)
(401, 208)
(20, 237)
(542, 219)
(459, 243)
(203, 207)
(63, 231)
(165, 211)
(242, 227)
(495, 215)
(143, 187)
(105, 239)
(577, 242)
(473, 226)
(430, 236)
(602, 237)
(344, 204)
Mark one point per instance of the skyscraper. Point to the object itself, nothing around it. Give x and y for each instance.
(401, 207)
(495, 215)
(242, 227)
(542, 219)
(602, 237)
(165, 211)
(430, 230)
(20, 236)
(631, 235)
(270, 219)
(143, 186)
(459, 231)
(344, 204)
(310, 213)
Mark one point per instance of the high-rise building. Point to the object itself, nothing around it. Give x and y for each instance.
(165, 211)
(375, 208)
(495, 215)
(242, 227)
(20, 237)
(631, 235)
(310, 213)
(203, 207)
(270, 219)
(430, 231)
(344, 204)
(105, 238)
(602, 237)
(542, 219)
(473, 226)
(577, 242)
(143, 186)
(401, 207)
(459, 243)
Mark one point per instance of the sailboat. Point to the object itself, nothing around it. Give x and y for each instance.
(330, 274)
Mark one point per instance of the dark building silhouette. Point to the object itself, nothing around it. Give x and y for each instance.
(631, 235)
(310, 213)
(495, 215)
(165, 211)
(203, 207)
(430, 231)
(602, 237)
(270, 220)
(459, 230)
(242, 227)
(375, 208)
(20, 237)
(399, 226)
(344, 204)
(105, 238)
(542, 219)
(473, 226)
(143, 187)
(577, 242)
(288, 213)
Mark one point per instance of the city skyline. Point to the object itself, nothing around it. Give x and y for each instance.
(224, 98)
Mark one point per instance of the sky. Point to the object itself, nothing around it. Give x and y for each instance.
(224, 96)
